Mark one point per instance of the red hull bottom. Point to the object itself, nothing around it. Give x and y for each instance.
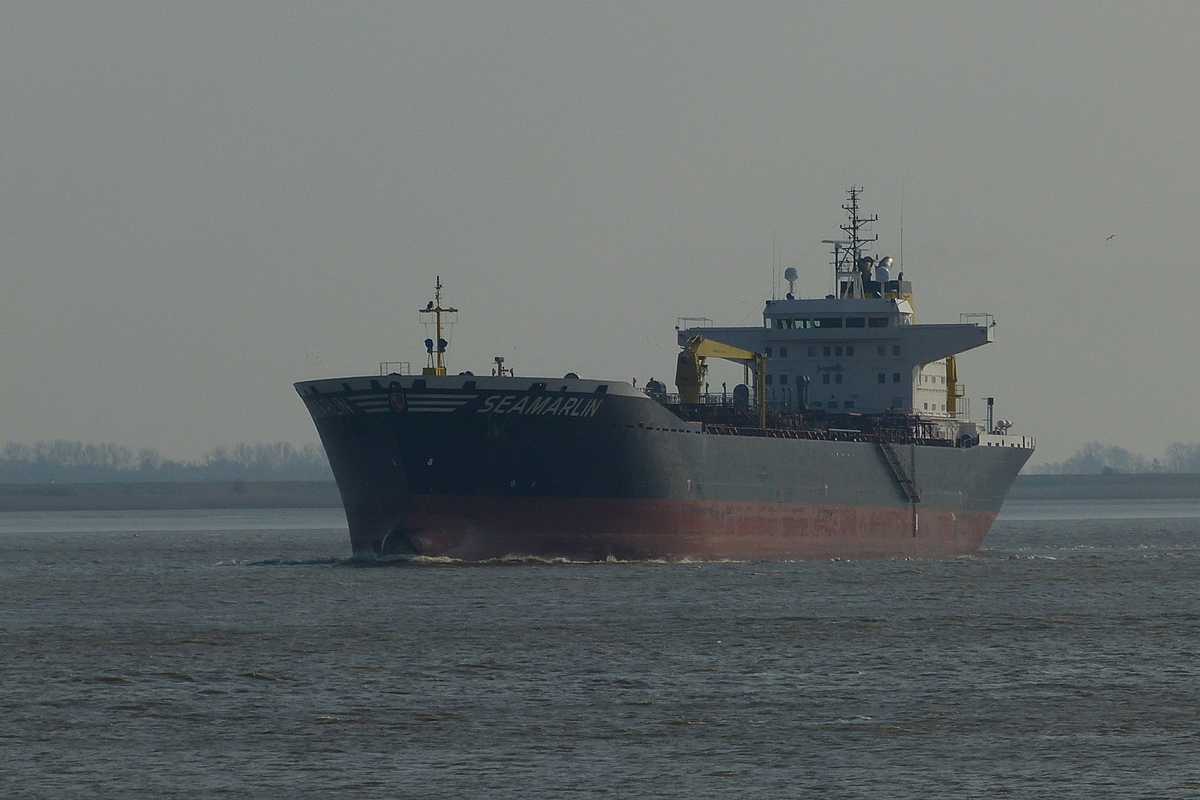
(596, 529)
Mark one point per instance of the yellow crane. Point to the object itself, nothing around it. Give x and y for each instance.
(954, 392)
(691, 368)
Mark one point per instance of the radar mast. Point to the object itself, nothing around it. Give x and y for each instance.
(847, 253)
(434, 314)
(855, 226)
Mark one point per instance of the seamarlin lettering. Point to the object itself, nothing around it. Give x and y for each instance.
(537, 404)
(322, 408)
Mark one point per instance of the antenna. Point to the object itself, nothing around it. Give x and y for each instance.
(437, 347)
(847, 253)
(855, 225)
(774, 269)
(838, 248)
(902, 226)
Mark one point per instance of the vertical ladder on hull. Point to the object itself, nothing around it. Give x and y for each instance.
(905, 478)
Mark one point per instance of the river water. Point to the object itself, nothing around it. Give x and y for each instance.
(240, 654)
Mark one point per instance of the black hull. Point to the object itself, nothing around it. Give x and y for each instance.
(494, 467)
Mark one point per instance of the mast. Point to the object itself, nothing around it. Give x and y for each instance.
(855, 225)
(847, 253)
(436, 348)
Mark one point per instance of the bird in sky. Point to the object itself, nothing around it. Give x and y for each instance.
(1110, 237)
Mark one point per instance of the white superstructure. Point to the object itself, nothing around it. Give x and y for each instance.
(860, 349)
(864, 355)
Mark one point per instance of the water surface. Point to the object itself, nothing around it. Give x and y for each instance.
(177, 654)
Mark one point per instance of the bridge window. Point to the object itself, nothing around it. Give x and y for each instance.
(827, 350)
(895, 377)
(856, 322)
(783, 380)
(827, 322)
(770, 379)
(895, 349)
(824, 377)
(878, 322)
(767, 352)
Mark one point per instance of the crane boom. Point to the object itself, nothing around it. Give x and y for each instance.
(691, 368)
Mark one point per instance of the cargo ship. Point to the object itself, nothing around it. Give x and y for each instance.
(849, 437)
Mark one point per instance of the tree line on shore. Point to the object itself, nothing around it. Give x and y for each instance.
(64, 461)
(1095, 458)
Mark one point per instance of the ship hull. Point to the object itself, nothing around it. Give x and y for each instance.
(595, 529)
(480, 469)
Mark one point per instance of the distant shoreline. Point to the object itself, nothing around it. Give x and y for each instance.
(177, 495)
(168, 496)
(1141, 486)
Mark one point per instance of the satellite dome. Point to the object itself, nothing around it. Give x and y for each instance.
(790, 274)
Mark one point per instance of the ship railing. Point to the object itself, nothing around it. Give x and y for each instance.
(673, 398)
(688, 323)
(1008, 440)
(395, 368)
(827, 435)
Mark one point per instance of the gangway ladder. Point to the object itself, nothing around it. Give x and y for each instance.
(905, 476)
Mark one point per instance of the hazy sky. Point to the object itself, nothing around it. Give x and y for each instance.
(202, 203)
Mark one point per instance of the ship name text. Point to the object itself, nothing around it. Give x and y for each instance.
(544, 405)
(325, 407)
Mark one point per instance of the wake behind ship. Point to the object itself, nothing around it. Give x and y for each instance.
(849, 438)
